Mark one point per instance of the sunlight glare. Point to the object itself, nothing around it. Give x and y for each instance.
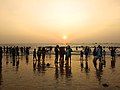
(65, 37)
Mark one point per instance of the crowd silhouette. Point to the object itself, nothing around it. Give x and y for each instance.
(62, 60)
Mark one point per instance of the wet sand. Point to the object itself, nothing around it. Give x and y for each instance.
(31, 75)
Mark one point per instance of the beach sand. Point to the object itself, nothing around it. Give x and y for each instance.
(30, 75)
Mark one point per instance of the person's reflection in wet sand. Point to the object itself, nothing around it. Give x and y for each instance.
(95, 62)
(99, 72)
(13, 63)
(62, 70)
(81, 65)
(56, 71)
(43, 66)
(34, 66)
(27, 59)
(7, 59)
(113, 62)
(68, 70)
(39, 66)
(87, 69)
(17, 65)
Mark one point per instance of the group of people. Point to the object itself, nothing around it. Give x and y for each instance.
(37, 54)
(62, 53)
(15, 51)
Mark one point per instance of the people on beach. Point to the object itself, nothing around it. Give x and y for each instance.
(86, 52)
(81, 55)
(39, 52)
(34, 54)
(1, 52)
(43, 53)
(113, 51)
(56, 50)
(62, 53)
(97, 53)
(68, 54)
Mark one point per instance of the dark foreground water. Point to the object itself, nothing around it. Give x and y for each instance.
(26, 74)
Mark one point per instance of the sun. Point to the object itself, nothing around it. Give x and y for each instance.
(64, 37)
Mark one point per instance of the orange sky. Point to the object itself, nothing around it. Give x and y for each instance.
(50, 20)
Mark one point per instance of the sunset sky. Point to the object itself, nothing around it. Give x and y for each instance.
(56, 20)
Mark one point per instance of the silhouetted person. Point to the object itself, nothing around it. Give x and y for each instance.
(43, 54)
(27, 50)
(39, 52)
(113, 52)
(68, 54)
(99, 53)
(56, 53)
(81, 55)
(76, 48)
(0, 71)
(95, 52)
(17, 51)
(1, 52)
(95, 57)
(13, 51)
(62, 52)
(50, 50)
(21, 50)
(34, 54)
(86, 52)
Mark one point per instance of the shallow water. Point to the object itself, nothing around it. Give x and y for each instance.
(31, 75)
